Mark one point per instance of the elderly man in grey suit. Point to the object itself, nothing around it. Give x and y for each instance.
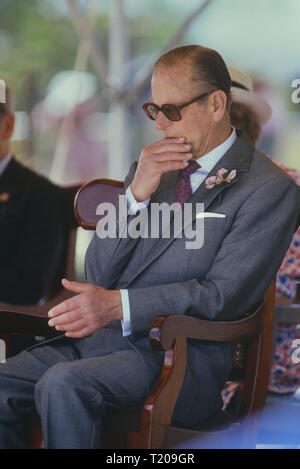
(103, 361)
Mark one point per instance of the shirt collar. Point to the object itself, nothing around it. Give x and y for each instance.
(4, 163)
(208, 161)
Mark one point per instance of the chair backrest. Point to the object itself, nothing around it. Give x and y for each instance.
(90, 195)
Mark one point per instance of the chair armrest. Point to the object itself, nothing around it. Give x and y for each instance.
(14, 322)
(165, 329)
(169, 333)
(29, 319)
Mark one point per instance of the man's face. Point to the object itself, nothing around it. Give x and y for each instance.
(172, 85)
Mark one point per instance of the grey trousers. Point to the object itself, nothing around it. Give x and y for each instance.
(72, 384)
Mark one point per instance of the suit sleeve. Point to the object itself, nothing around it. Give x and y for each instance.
(107, 257)
(243, 268)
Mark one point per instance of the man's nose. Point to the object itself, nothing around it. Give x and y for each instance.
(162, 122)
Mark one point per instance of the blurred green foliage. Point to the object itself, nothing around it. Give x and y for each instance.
(32, 42)
(37, 38)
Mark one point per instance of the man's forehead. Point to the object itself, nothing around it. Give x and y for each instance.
(172, 79)
(173, 74)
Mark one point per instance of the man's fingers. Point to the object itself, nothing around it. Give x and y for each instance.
(71, 303)
(66, 318)
(169, 140)
(79, 334)
(171, 147)
(172, 156)
(73, 326)
(76, 287)
(67, 305)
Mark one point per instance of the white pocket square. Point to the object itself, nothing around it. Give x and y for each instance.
(210, 215)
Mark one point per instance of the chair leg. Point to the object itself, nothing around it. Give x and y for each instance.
(274, 336)
(36, 438)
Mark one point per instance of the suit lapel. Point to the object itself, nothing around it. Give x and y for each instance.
(241, 151)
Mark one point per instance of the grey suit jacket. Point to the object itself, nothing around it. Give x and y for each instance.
(221, 281)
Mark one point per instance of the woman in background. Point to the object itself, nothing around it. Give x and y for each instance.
(250, 112)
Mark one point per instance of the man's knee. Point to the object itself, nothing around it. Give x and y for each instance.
(60, 382)
(58, 377)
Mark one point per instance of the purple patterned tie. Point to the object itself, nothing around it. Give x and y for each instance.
(184, 188)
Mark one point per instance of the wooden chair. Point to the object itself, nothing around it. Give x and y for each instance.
(151, 426)
(30, 319)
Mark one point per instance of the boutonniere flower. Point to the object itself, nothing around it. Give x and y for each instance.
(4, 197)
(223, 176)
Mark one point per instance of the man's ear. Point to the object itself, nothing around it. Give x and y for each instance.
(9, 125)
(218, 101)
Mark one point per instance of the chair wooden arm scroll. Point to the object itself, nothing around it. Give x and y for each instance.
(165, 329)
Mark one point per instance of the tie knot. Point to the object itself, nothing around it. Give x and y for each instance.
(190, 169)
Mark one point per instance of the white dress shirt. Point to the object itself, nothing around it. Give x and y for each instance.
(207, 163)
(4, 162)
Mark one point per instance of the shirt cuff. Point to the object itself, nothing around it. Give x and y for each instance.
(134, 206)
(126, 323)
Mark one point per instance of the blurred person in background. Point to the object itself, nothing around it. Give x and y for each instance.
(249, 111)
(31, 224)
(72, 110)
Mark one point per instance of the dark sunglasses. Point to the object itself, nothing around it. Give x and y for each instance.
(171, 111)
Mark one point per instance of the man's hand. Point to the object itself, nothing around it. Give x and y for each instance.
(94, 307)
(156, 159)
